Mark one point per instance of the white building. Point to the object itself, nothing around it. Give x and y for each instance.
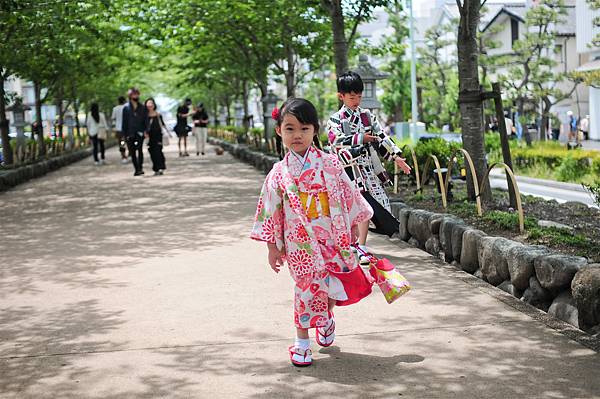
(589, 56)
(506, 25)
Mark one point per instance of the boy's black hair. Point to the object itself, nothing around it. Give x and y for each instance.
(350, 82)
(122, 100)
(302, 109)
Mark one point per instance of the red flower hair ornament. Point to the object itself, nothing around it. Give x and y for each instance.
(275, 114)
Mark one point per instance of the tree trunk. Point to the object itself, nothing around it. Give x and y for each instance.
(340, 43)
(59, 114)
(37, 88)
(7, 153)
(228, 110)
(471, 104)
(545, 124)
(76, 111)
(525, 130)
(245, 95)
(290, 73)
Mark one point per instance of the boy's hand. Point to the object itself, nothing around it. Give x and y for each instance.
(367, 138)
(354, 234)
(401, 162)
(275, 258)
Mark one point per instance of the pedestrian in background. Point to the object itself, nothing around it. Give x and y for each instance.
(181, 128)
(155, 127)
(98, 131)
(572, 121)
(117, 123)
(134, 128)
(584, 127)
(200, 120)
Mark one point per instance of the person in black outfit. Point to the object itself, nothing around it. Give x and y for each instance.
(181, 128)
(200, 118)
(155, 126)
(135, 118)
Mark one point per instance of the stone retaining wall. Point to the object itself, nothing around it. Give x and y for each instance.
(13, 177)
(567, 287)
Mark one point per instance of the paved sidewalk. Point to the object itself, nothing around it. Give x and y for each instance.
(119, 287)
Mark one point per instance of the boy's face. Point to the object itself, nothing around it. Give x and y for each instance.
(351, 100)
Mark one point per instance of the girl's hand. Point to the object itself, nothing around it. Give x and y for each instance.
(401, 162)
(275, 258)
(354, 234)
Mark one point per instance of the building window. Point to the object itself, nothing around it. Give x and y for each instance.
(514, 30)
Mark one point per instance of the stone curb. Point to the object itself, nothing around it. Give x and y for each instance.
(496, 270)
(14, 177)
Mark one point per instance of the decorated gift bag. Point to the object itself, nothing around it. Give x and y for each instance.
(390, 281)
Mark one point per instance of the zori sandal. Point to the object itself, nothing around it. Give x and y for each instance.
(300, 357)
(326, 335)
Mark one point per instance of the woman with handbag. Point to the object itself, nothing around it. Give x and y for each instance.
(155, 128)
(98, 131)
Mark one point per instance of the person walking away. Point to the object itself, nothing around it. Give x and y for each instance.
(134, 128)
(572, 120)
(200, 119)
(357, 138)
(509, 126)
(308, 215)
(181, 127)
(98, 131)
(584, 127)
(117, 123)
(155, 126)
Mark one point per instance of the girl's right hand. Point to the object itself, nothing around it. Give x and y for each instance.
(275, 258)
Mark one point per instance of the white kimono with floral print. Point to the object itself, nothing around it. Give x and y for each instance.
(313, 243)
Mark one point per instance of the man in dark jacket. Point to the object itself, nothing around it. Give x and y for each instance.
(134, 127)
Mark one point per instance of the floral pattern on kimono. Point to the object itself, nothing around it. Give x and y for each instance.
(296, 190)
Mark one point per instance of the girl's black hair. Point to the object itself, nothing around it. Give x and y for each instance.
(350, 82)
(302, 109)
(95, 111)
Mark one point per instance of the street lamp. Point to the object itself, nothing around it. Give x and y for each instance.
(70, 122)
(18, 110)
(269, 101)
(369, 75)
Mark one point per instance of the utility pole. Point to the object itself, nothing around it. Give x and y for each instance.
(413, 75)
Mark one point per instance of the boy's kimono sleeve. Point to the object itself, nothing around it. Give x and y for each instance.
(387, 148)
(359, 209)
(268, 223)
(336, 134)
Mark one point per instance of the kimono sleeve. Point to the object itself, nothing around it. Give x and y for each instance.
(387, 148)
(268, 222)
(337, 136)
(359, 209)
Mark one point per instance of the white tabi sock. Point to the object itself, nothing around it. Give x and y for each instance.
(303, 344)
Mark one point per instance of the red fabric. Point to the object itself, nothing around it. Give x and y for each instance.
(357, 285)
(385, 264)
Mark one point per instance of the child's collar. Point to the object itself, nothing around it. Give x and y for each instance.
(350, 111)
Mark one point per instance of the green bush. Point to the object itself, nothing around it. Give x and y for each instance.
(492, 142)
(571, 169)
(439, 147)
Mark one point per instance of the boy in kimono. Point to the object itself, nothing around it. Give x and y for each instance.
(357, 138)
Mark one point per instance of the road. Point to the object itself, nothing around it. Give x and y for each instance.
(119, 287)
(561, 192)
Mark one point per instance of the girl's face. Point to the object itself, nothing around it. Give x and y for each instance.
(296, 136)
(150, 105)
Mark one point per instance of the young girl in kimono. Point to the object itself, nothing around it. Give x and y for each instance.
(308, 214)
